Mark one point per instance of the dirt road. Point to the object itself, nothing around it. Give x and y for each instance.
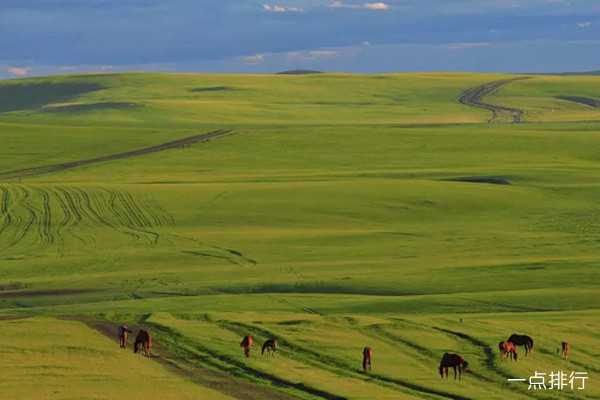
(50, 168)
(472, 97)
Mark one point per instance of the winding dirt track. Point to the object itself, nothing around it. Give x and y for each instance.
(50, 168)
(472, 97)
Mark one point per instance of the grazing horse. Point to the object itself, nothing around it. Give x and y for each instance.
(143, 343)
(124, 332)
(246, 344)
(565, 350)
(508, 348)
(453, 360)
(367, 357)
(271, 347)
(522, 340)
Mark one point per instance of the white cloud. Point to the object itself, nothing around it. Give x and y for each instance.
(376, 6)
(368, 6)
(584, 24)
(275, 8)
(254, 60)
(67, 68)
(19, 71)
(106, 67)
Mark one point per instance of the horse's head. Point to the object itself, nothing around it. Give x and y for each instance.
(465, 365)
(441, 371)
(135, 347)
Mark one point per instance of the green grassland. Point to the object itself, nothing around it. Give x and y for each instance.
(341, 211)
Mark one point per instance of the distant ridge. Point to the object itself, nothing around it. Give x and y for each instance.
(596, 72)
(299, 72)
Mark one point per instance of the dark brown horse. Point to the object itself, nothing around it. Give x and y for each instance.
(508, 348)
(367, 357)
(565, 350)
(143, 343)
(454, 361)
(246, 344)
(522, 340)
(271, 347)
(123, 335)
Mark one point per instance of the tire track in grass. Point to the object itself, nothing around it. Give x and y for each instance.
(44, 215)
(51, 168)
(200, 352)
(472, 97)
(23, 224)
(340, 367)
(182, 358)
(490, 357)
(110, 205)
(72, 217)
(4, 209)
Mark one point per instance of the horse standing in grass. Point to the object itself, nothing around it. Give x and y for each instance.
(123, 335)
(522, 340)
(143, 343)
(271, 347)
(367, 357)
(508, 348)
(455, 361)
(565, 350)
(246, 344)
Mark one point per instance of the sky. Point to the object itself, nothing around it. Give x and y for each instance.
(42, 37)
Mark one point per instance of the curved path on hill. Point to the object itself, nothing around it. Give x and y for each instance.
(472, 97)
(50, 168)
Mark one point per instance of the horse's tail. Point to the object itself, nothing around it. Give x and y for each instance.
(530, 345)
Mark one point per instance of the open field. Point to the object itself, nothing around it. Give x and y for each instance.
(338, 211)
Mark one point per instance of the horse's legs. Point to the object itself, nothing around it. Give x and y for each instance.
(455, 372)
(447, 369)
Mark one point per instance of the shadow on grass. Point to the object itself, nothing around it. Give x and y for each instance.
(20, 97)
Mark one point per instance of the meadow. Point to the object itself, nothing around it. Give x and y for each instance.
(340, 211)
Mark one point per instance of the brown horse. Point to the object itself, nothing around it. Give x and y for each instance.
(246, 344)
(271, 347)
(522, 340)
(143, 343)
(367, 357)
(453, 360)
(565, 350)
(124, 332)
(508, 348)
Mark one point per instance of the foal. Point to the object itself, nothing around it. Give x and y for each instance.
(565, 350)
(508, 348)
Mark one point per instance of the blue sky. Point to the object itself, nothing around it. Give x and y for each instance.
(39, 37)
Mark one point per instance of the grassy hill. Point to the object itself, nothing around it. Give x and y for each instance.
(339, 211)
